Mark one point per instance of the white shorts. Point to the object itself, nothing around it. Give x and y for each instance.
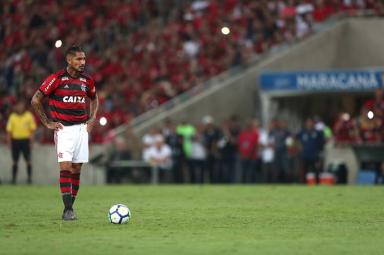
(72, 144)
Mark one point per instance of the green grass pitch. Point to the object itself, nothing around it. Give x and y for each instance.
(195, 220)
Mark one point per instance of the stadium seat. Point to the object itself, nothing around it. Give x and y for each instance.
(366, 177)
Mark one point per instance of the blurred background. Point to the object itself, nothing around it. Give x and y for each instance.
(280, 91)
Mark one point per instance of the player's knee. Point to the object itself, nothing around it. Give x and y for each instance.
(66, 166)
(76, 168)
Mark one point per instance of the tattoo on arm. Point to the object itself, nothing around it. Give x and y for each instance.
(38, 107)
(93, 107)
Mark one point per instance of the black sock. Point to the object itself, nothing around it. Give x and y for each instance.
(14, 173)
(29, 173)
(67, 200)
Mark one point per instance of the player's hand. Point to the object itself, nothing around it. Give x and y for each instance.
(55, 125)
(90, 125)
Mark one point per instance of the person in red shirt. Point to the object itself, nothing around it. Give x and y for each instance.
(345, 131)
(68, 91)
(248, 147)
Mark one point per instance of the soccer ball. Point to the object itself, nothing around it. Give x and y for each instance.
(119, 214)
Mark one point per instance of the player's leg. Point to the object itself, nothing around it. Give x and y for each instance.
(66, 183)
(76, 170)
(65, 147)
(80, 156)
(15, 151)
(26, 150)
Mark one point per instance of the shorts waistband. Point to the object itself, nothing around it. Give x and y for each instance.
(68, 123)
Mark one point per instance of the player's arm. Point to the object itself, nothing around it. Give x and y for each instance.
(93, 108)
(37, 104)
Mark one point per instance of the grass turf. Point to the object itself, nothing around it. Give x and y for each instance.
(195, 220)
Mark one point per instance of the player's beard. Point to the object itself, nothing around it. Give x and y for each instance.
(80, 69)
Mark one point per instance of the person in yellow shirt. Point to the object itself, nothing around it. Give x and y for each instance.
(20, 128)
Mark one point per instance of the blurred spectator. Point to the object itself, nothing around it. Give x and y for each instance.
(369, 126)
(345, 131)
(248, 148)
(267, 151)
(149, 139)
(160, 156)
(228, 146)
(175, 141)
(148, 51)
(197, 160)
(186, 131)
(211, 137)
(311, 148)
(280, 135)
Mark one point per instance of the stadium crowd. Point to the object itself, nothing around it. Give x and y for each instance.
(144, 52)
(230, 152)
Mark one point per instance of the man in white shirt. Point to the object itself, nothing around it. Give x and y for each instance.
(159, 156)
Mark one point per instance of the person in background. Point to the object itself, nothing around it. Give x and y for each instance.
(281, 135)
(321, 126)
(345, 131)
(160, 156)
(149, 139)
(311, 147)
(20, 128)
(198, 159)
(175, 141)
(186, 131)
(267, 151)
(368, 126)
(228, 150)
(211, 136)
(248, 148)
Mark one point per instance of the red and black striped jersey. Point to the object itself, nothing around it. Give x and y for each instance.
(68, 96)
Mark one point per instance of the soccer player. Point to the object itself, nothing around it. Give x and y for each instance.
(20, 127)
(68, 91)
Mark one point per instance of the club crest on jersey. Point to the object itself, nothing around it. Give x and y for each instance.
(83, 79)
(65, 78)
(74, 99)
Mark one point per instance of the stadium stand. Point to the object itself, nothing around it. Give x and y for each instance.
(142, 53)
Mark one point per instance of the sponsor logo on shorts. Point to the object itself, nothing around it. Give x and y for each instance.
(60, 155)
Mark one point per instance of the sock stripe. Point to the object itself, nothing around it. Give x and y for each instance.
(65, 190)
(65, 180)
(75, 184)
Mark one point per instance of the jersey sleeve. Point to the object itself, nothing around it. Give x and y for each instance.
(91, 93)
(49, 85)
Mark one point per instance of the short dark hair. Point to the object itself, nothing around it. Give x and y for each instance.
(73, 49)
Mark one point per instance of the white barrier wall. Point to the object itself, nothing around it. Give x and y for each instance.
(45, 166)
